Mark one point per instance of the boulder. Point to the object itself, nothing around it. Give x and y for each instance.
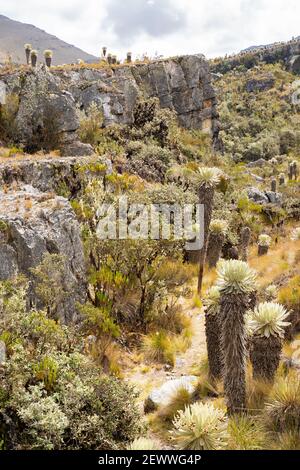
(161, 396)
(290, 363)
(257, 178)
(273, 197)
(77, 149)
(260, 84)
(264, 197)
(261, 162)
(257, 196)
(33, 224)
(294, 64)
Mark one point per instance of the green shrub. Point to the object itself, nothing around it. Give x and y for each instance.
(55, 396)
(149, 161)
(90, 125)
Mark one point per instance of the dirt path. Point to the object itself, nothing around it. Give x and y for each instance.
(147, 377)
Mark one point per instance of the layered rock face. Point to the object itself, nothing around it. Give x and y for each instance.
(182, 84)
(45, 112)
(33, 224)
(294, 59)
(65, 176)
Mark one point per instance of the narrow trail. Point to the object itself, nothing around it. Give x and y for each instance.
(147, 377)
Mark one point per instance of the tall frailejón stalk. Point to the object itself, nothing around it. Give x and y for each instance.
(236, 282)
(213, 333)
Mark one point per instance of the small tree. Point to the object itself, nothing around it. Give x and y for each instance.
(213, 332)
(236, 282)
(28, 48)
(50, 287)
(267, 326)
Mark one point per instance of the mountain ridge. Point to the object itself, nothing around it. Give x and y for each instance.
(14, 34)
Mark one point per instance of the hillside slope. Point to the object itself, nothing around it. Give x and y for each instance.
(257, 115)
(14, 34)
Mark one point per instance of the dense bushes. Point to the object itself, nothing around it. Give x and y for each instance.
(46, 130)
(261, 124)
(52, 395)
(149, 161)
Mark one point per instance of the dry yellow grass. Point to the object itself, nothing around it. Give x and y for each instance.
(280, 259)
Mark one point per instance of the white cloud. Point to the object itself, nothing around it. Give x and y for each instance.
(169, 27)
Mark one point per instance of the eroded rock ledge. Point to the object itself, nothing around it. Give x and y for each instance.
(65, 176)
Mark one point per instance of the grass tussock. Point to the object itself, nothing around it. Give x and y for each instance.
(246, 433)
(282, 411)
(258, 392)
(158, 347)
(178, 402)
(289, 440)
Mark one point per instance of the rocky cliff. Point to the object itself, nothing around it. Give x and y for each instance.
(33, 224)
(182, 84)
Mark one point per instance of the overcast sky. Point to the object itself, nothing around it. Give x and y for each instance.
(168, 27)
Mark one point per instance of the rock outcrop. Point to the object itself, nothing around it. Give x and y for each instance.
(33, 224)
(65, 176)
(262, 84)
(182, 84)
(163, 395)
(47, 114)
(264, 197)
